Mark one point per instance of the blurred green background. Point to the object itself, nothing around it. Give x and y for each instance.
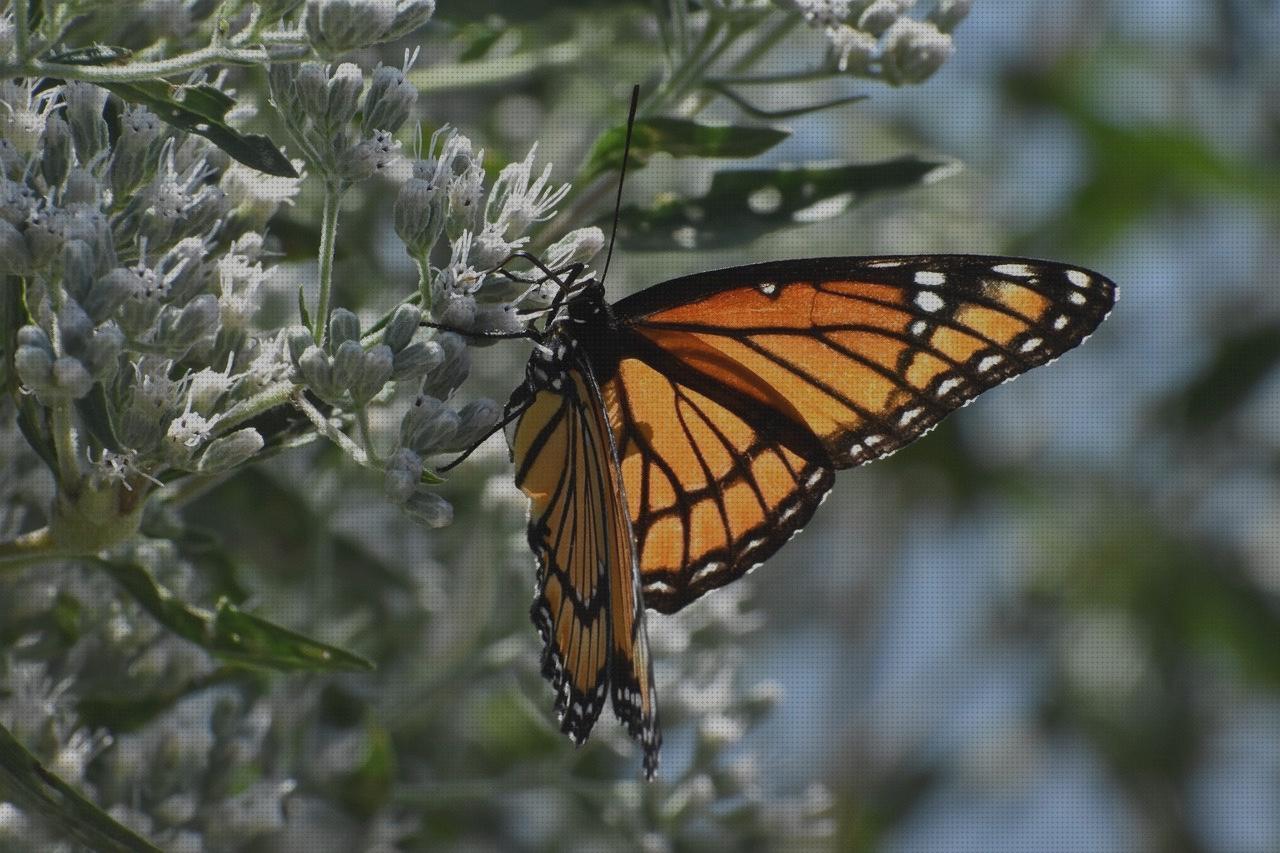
(1053, 624)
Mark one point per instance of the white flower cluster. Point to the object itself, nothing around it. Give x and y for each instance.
(873, 36)
(445, 204)
(141, 280)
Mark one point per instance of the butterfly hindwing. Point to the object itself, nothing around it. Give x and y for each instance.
(587, 606)
(711, 492)
(738, 392)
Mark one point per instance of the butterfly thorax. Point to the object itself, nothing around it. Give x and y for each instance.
(586, 329)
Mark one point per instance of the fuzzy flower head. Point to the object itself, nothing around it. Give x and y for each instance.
(23, 114)
(518, 200)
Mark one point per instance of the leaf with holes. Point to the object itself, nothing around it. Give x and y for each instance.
(743, 204)
(679, 138)
(202, 110)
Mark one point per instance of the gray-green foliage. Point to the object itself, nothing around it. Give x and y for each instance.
(140, 370)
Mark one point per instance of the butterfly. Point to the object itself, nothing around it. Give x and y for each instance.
(672, 441)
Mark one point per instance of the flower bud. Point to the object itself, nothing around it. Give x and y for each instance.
(34, 365)
(410, 14)
(343, 95)
(375, 370)
(914, 50)
(298, 338)
(475, 421)
(12, 164)
(427, 425)
(109, 291)
(316, 370)
(311, 84)
(457, 311)
(348, 361)
(503, 318)
(74, 327)
(948, 14)
(55, 153)
(84, 113)
(139, 129)
(16, 200)
(416, 358)
(453, 369)
(81, 187)
(199, 319)
(403, 474)
(15, 257)
(71, 377)
(388, 101)
(231, 451)
(420, 211)
(102, 355)
(402, 326)
(881, 14)
(465, 192)
(343, 326)
(340, 26)
(429, 508)
(77, 269)
(34, 336)
(367, 158)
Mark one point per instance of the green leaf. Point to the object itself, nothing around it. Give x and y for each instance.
(1237, 370)
(33, 422)
(94, 54)
(12, 318)
(202, 110)
(247, 638)
(479, 36)
(680, 138)
(743, 204)
(27, 781)
(229, 632)
(303, 313)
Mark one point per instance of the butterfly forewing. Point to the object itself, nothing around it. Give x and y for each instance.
(587, 604)
(869, 353)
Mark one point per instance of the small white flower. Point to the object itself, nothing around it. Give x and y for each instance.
(260, 195)
(23, 113)
(460, 277)
(241, 279)
(854, 47)
(515, 202)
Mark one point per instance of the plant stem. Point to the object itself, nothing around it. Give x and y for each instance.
(34, 547)
(366, 435)
(21, 36)
(181, 64)
(267, 398)
(330, 432)
(64, 441)
(328, 237)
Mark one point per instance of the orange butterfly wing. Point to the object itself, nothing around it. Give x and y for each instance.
(738, 392)
(587, 606)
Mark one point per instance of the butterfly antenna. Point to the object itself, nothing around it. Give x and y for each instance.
(622, 176)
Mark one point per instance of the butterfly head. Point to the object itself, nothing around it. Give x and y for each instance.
(588, 306)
